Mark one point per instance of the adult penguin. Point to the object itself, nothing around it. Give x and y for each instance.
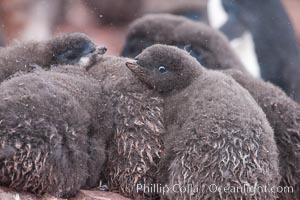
(274, 40)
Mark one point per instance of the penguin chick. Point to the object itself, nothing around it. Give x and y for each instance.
(136, 147)
(52, 131)
(279, 116)
(185, 34)
(65, 49)
(284, 116)
(146, 31)
(47, 142)
(217, 134)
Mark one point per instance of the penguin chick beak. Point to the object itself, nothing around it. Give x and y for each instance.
(137, 69)
(132, 65)
(101, 50)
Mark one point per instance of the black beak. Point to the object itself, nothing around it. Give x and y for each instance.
(101, 50)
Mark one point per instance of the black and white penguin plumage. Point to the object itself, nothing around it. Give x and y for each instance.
(216, 132)
(264, 37)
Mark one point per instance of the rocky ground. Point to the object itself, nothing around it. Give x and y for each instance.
(7, 194)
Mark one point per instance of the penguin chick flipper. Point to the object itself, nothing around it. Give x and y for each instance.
(70, 48)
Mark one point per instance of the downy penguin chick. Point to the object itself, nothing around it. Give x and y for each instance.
(266, 95)
(61, 50)
(217, 134)
(136, 147)
(52, 131)
(183, 33)
(281, 111)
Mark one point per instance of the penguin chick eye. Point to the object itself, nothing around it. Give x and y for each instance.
(162, 69)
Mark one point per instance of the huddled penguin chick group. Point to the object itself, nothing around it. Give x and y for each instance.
(216, 132)
(56, 125)
(52, 136)
(62, 50)
(189, 115)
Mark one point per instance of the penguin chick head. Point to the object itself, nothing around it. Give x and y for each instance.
(148, 30)
(165, 68)
(68, 49)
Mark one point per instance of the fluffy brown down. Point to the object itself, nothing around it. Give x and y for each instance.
(281, 111)
(284, 116)
(52, 135)
(64, 49)
(217, 134)
(66, 117)
(52, 138)
(136, 147)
